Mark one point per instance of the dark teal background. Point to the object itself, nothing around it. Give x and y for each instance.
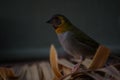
(24, 35)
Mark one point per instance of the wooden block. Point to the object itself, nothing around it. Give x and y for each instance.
(100, 57)
(54, 62)
(28, 75)
(47, 71)
(66, 63)
(87, 62)
(34, 72)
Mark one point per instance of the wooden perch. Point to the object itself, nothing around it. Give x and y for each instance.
(6, 72)
(100, 57)
(54, 62)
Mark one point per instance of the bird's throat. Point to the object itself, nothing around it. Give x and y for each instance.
(61, 29)
(55, 27)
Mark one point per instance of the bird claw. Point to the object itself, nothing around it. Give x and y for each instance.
(76, 67)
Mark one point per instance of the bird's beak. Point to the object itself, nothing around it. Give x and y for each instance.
(49, 21)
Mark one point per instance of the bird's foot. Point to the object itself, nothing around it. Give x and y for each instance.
(77, 66)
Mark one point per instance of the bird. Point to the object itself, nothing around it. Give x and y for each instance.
(73, 40)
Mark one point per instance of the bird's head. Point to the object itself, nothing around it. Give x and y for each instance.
(60, 23)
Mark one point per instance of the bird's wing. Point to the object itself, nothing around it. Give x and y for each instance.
(85, 39)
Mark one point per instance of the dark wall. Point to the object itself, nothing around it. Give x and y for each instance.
(24, 33)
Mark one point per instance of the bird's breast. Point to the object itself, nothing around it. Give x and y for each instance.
(73, 46)
(63, 37)
(65, 41)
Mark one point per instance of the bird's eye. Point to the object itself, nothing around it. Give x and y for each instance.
(57, 21)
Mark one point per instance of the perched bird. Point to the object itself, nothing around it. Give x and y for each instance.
(73, 40)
